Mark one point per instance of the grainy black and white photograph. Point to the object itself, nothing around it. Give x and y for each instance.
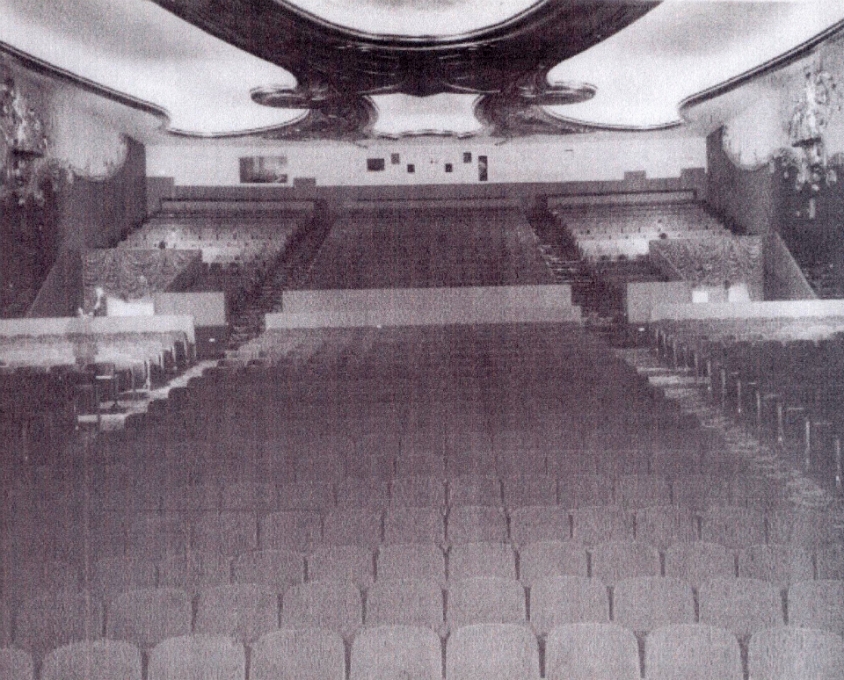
(421, 339)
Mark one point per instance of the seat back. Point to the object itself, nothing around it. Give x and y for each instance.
(197, 656)
(389, 652)
(301, 654)
(492, 652)
(591, 651)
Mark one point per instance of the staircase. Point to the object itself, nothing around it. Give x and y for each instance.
(247, 321)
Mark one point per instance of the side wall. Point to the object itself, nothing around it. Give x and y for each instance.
(745, 200)
(99, 214)
(86, 214)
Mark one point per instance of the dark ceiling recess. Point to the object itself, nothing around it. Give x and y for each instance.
(337, 67)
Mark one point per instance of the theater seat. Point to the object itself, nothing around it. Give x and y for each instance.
(817, 604)
(305, 654)
(485, 600)
(194, 571)
(699, 561)
(733, 527)
(539, 523)
(591, 651)
(306, 496)
(599, 524)
(642, 491)
(229, 533)
(584, 490)
(405, 602)
(52, 620)
(197, 656)
(616, 560)
(342, 563)
(740, 605)
(15, 664)
(411, 561)
(492, 652)
(241, 611)
(829, 562)
(561, 600)
(779, 564)
(146, 617)
(414, 525)
(692, 652)
(551, 558)
(299, 530)
(334, 605)
(277, 569)
(796, 654)
(470, 524)
(390, 652)
(805, 527)
(481, 559)
(111, 576)
(353, 526)
(529, 490)
(154, 537)
(257, 497)
(665, 525)
(474, 490)
(642, 604)
(356, 492)
(418, 491)
(97, 660)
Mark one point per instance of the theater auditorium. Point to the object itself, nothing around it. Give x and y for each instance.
(455, 340)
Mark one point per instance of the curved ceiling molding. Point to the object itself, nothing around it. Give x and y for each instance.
(314, 69)
(148, 55)
(644, 73)
(484, 62)
(329, 116)
(424, 19)
(520, 111)
(402, 115)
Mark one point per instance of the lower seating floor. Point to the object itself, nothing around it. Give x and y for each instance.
(459, 502)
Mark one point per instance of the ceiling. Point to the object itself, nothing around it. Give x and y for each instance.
(358, 69)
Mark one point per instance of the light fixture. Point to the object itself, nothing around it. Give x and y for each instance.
(26, 167)
(819, 101)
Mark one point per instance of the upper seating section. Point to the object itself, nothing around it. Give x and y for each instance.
(416, 248)
(614, 231)
(223, 240)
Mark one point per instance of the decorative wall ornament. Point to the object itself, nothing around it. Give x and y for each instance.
(26, 168)
(820, 101)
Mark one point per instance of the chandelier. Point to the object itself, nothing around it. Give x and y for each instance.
(25, 165)
(819, 101)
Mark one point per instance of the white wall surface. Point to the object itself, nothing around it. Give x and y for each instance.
(539, 159)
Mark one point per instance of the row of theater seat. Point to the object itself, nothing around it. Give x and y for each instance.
(611, 561)
(237, 531)
(146, 616)
(787, 391)
(480, 652)
(383, 489)
(111, 489)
